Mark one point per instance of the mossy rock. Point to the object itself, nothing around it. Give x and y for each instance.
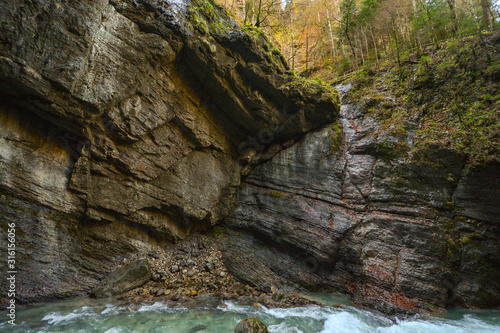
(336, 137)
(251, 325)
(302, 88)
(207, 17)
(276, 194)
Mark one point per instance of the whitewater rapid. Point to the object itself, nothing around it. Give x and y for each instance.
(112, 317)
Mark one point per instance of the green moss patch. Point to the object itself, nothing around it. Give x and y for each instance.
(451, 95)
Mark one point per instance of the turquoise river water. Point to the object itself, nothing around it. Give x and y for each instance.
(208, 315)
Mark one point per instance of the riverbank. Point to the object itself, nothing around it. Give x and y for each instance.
(193, 268)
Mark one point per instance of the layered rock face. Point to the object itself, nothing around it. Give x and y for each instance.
(128, 124)
(352, 212)
(131, 124)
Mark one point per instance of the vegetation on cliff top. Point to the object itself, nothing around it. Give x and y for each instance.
(327, 37)
(452, 95)
(207, 17)
(448, 89)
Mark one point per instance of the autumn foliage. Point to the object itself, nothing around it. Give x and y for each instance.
(323, 38)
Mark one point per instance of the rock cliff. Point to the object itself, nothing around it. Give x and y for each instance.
(128, 125)
(347, 209)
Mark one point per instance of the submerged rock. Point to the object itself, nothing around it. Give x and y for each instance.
(198, 328)
(251, 325)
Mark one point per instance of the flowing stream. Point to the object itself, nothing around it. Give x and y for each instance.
(208, 315)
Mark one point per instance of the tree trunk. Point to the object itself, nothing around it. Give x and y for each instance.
(396, 42)
(307, 55)
(353, 51)
(453, 15)
(493, 19)
(244, 12)
(253, 13)
(259, 13)
(331, 34)
(485, 6)
(374, 43)
(291, 34)
(431, 21)
(366, 44)
(359, 45)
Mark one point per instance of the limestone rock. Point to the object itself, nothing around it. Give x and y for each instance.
(397, 235)
(126, 126)
(124, 279)
(122, 127)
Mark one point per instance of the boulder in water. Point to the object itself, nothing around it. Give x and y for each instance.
(251, 325)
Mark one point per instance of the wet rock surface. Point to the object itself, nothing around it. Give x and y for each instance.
(251, 325)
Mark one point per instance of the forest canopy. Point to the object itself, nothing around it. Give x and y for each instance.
(323, 38)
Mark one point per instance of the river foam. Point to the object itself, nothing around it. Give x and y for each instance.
(212, 317)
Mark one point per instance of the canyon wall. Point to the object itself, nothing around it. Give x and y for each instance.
(128, 125)
(347, 209)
